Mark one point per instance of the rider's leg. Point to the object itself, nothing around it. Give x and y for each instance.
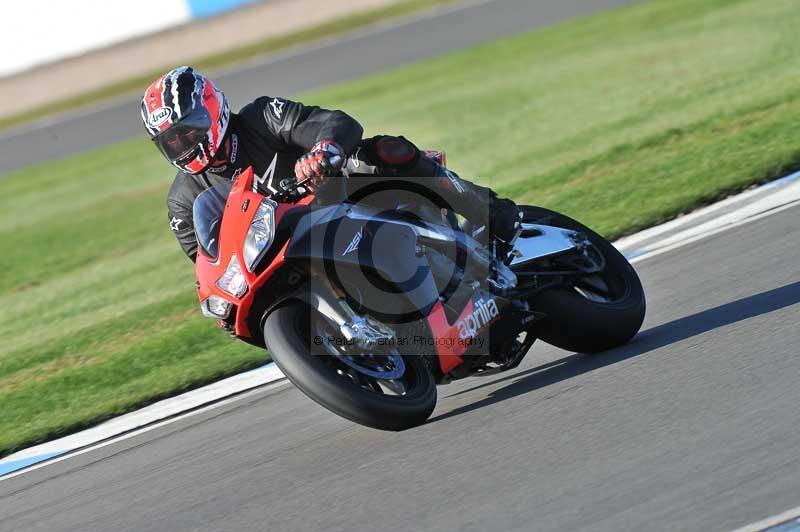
(398, 158)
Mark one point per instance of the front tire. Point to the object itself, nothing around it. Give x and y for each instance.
(582, 324)
(288, 330)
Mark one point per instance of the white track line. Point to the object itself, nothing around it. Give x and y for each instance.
(672, 225)
(137, 432)
(758, 210)
(785, 194)
(712, 232)
(770, 522)
(140, 420)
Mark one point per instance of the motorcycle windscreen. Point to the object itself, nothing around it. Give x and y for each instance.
(207, 214)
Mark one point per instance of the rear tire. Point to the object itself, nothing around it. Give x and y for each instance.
(576, 323)
(287, 331)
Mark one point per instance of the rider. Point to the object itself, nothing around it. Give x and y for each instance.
(192, 125)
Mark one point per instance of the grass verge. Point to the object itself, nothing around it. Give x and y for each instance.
(228, 58)
(623, 119)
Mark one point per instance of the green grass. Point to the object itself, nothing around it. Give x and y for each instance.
(227, 58)
(623, 119)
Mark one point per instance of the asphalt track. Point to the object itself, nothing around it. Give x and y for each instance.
(693, 426)
(301, 70)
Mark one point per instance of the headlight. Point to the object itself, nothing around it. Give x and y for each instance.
(216, 307)
(233, 281)
(261, 233)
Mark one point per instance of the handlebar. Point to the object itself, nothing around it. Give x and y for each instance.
(290, 192)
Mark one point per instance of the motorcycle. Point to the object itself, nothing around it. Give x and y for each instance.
(367, 308)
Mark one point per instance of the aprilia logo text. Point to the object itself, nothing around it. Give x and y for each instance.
(483, 313)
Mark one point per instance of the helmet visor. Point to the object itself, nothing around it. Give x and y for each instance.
(180, 141)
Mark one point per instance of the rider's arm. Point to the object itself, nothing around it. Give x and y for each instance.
(302, 126)
(179, 216)
(180, 222)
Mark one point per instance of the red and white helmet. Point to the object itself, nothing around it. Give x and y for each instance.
(187, 117)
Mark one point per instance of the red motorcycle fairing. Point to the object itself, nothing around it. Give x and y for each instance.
(470, 327)
(240, 209)
(445, 337)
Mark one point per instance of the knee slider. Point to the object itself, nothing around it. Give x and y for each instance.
(397, 152)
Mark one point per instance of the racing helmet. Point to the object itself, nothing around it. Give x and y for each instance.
(186, 117)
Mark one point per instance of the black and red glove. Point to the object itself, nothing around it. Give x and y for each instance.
(325, 159)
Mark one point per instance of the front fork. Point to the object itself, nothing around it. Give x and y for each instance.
(322, 296)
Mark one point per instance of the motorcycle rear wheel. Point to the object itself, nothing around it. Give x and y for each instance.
(578, 318)
(291, 333)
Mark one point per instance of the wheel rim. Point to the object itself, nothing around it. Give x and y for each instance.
(606, 286)
(594, 290)
(381, 372)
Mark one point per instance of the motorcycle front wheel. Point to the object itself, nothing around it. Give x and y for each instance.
(384, 389)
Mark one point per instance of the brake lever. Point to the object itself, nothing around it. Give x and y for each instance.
(291, 191)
